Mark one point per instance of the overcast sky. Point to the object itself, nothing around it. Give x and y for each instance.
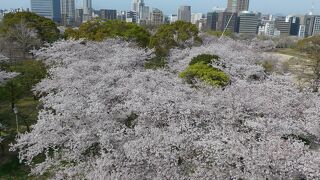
(170, 6)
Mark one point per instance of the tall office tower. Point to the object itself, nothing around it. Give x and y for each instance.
(212, 20)
(228, 21)
(144, 13)
(294, 25)
(108, 14)
(137, 4)
(48, 8)
(184, 13)
(238, 5)
(87, 10)
(283, 25)
(68, 12)
(79, 17)
(247, 23)
(156, 17)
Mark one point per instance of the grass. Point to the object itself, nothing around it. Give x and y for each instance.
(291, 52)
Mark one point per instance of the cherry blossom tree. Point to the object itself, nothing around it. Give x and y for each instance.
(106, 117)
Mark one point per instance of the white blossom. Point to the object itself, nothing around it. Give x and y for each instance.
(105, 117)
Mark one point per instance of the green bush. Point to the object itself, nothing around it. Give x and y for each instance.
(205, 73)
(205, 58)
(200, 68)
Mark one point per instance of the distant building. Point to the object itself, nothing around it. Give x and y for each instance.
(196, 17)
(294, 26)
(108, 14)
(173, 18)
(247, 23)
(47, 8)
(144, 13)
(283, 25)
(228, 21)
(68, 12)
(184, 13)
(131, 16)
(87, 10)
(302, 29)
(122, 15)
(316, 26)
(269, 28)
(79, 17)
(237, 5)
(156, 17)
(212, 20)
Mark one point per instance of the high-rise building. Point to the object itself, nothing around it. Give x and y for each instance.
(47, 8)
(144, 13)
(316, 26)
(228, 21)
(238, 5)
(108, 14)
(294, 25)
(79, 17)
(212, 20)
(68, 12)
(87, 10)
(302, 31)
(184, 13)
(156, 17)
(283, 25)
(247, 23)
(122, 15)
(196, 17)
(131, 16)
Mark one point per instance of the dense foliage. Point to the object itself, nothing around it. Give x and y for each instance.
(45, 28)
(98, 30)
(179, 34)
(105, 116)
(201, 68)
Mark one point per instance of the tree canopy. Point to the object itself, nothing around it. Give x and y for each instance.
(105, 116)
(45, 28)
(179, 34)
(98, 30)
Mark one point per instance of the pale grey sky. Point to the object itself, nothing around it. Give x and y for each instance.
(170, 6)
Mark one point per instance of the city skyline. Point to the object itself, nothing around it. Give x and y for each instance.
(170, 6)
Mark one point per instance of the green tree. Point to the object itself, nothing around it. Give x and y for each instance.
(31, 72)
(45, 28)
(200, 68)
(99, 29)
(179, 34)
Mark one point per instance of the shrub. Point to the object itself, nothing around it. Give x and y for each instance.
(206, 73)
(205, 58)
